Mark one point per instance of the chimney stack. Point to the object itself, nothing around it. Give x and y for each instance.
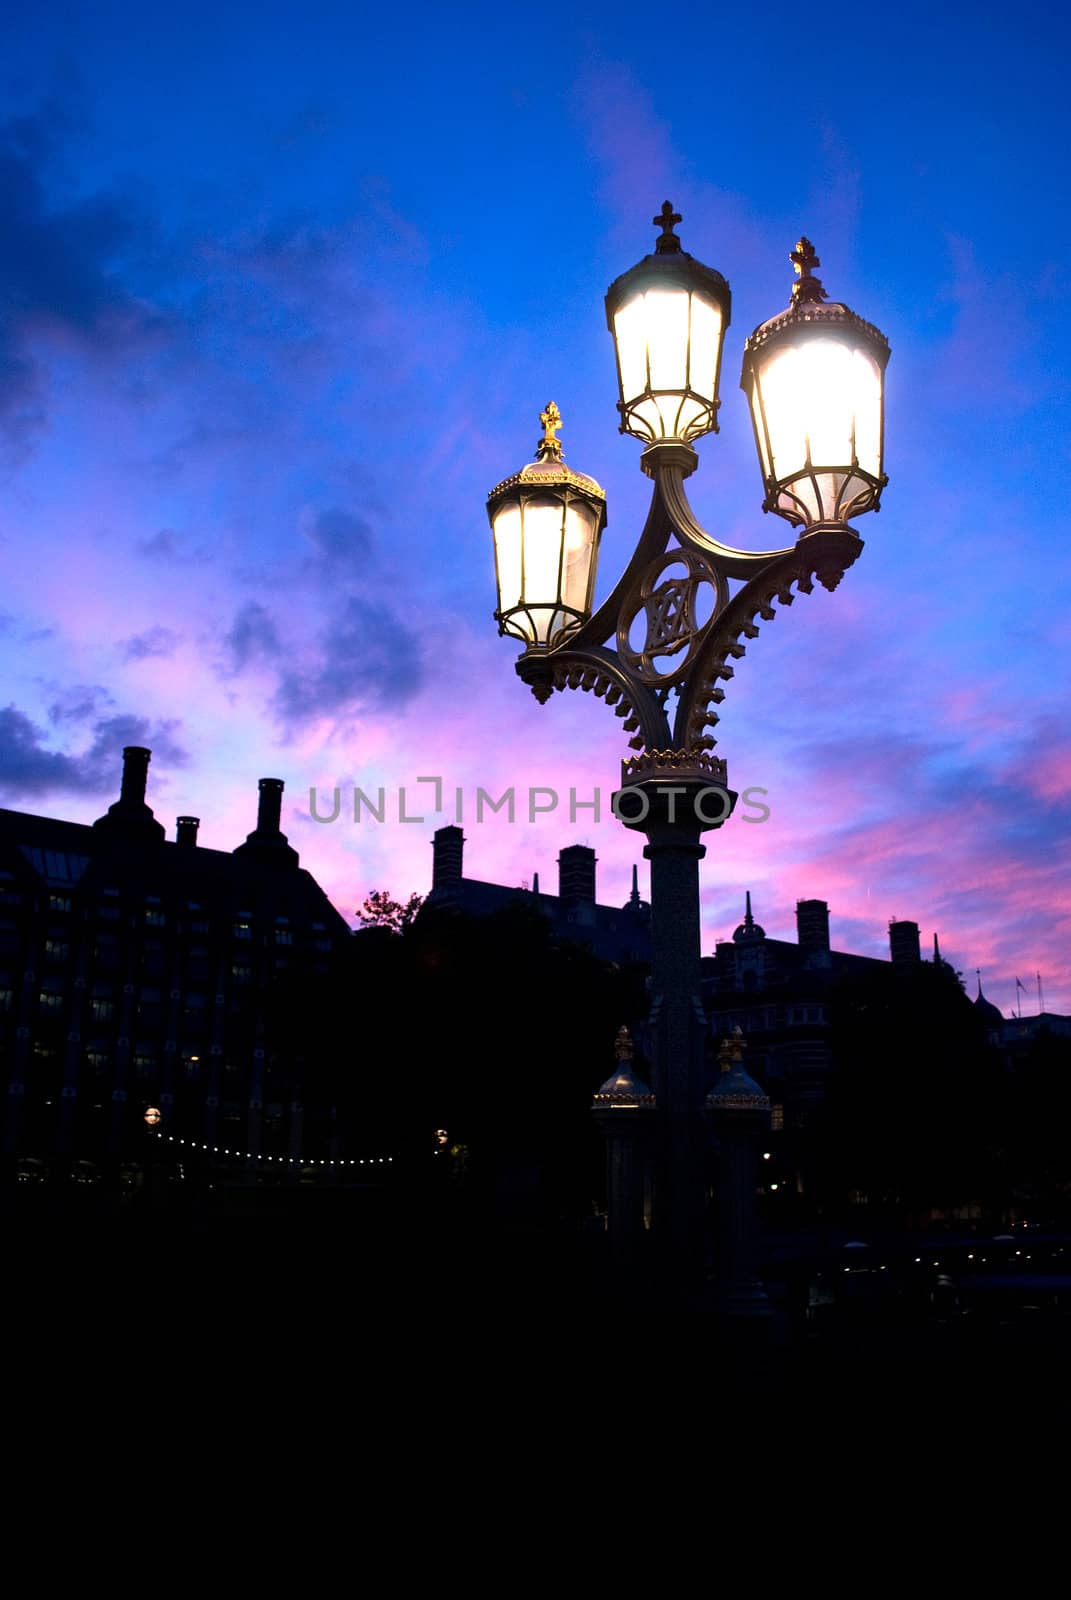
(267, 841)
(130, 814)
(812, 924)
(270, 806)
(904, 944)
(448, 846)
(576, 875)
(135, 775)
(186, 831)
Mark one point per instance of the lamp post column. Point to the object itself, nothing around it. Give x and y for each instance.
(673, 807)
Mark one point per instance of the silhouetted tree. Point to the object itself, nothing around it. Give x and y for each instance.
(380, 911)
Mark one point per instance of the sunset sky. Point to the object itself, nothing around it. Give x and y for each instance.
(283, 290)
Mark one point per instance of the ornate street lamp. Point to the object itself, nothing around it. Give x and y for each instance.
(546, 521)
(668, 316)
(662, 645)
(814, 376)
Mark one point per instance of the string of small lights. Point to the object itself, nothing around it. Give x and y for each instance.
(293, 1161)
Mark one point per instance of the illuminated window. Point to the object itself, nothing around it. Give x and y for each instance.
(777, 1118)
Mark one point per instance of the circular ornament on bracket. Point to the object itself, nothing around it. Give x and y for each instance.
(666, 614)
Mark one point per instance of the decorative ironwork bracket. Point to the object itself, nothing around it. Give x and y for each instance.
(678, 653)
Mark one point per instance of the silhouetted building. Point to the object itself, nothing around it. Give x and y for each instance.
(139, 972)
(778, 994)
(613, 933)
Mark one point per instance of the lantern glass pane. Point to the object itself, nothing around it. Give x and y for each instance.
(631, 337)
(543, 519)
(827, 377)
(581, 521)
(706, 340)
(544, 623)
(867, 412)
(753, 395)
(666, 318)
(507, 530)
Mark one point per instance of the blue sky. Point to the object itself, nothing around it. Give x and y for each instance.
(284, 290)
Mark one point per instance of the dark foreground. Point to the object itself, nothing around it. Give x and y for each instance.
(318, 1283)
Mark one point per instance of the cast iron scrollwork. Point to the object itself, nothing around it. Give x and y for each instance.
(677, 653)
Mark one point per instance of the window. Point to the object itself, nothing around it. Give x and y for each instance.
(7, 999)
(108, 913)
(241, 975)
(51, 1003)
(154, 917)
(777, 1118)
(59, 902)
(283, 936)
(243, 928)
(56, 949)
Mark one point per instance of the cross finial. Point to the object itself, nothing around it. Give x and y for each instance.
(667, 219)
(807, 288)
(549, 448)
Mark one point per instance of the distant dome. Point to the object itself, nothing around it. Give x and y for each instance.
(990, 1014)
(749, 931)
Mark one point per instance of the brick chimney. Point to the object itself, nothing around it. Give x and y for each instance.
(130, 815)
(576, 875)
(267, 842)
(904, 944)
(186, 831)
(812, 924)
(448, 846)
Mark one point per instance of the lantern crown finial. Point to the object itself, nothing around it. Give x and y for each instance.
(549, 448)
(623, 1050)
(667, 243)
(807, 289)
